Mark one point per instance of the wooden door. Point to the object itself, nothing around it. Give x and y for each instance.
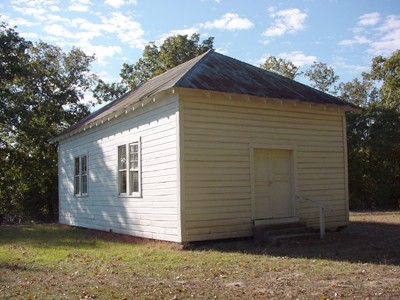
(273, 184)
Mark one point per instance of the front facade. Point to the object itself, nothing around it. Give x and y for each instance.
(246, 159)
(187, 164)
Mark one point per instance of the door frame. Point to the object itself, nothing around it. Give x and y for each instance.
(293, 157)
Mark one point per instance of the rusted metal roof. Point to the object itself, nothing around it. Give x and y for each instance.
(212, 71)
(217, 72)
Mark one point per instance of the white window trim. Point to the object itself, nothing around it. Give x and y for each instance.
(128, 193)
(80, 176)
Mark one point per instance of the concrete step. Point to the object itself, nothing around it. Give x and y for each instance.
(280, 226)
(291, 231)
(292, 237)
(279, 232)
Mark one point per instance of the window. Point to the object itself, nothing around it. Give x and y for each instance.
(129, 177)
(80, 176)
(77, 177)
(84, 174)
(134, 167)
(122, 169)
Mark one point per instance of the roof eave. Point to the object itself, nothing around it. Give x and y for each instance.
(112, 115)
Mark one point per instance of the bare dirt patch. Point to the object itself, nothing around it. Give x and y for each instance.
(388, 217)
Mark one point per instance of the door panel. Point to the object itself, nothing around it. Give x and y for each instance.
(273, 184)
(262, 186)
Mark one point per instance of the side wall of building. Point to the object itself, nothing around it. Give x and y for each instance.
(156, 213)
(219, 132)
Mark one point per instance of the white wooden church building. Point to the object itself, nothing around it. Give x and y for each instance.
(205, 151)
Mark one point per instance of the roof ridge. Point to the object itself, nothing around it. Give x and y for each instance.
(213, 71)
(199, 59)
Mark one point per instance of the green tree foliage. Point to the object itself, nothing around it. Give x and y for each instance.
(360, 93)
(374, 136)
(387, 71)
(155, 61)
(374, 158)
(322, 76)
(41, 92)
(281, 66)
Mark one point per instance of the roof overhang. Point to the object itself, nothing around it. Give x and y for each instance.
(111, 115)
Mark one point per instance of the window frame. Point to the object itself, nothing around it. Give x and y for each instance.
(84, 176)
(77, 177)
(81, 176)
(122, 171)
(129, 170)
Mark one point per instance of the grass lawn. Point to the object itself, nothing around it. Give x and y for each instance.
(60, 262)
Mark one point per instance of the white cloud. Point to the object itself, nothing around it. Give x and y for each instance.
(298, 58)
(341, 63)
(229, 21)
(358, 39)
(79, 5)
(23, 22)
(102, 52)
(127, 30)
(119, 3)
(391, 24)
(186, 31)
(52, 18)
(105, 76)
(58, 30)
(85, 36)
(84, 24)
(222, 51)
(30, 11)
(285, 21)
(87, 29)
(17, 21)
(35, 7)
(79, 31)
(381, 39)
(389, 39)
(29, 35)
(370, 19)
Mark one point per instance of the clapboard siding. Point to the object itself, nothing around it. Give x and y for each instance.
(218, 133)
(196, 152)
(156, 213)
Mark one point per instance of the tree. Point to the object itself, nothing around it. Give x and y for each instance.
(41, 92)
(155, 60)
(358, 92)
(374, 136)
(322, 76)
(387, 71)
(374, 158)
(281, 66)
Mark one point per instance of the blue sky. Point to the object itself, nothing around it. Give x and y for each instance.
(345, 34)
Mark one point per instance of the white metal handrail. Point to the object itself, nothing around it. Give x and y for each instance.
(322, 209)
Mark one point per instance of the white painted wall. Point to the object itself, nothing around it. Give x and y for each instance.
(154, 215)
(219, 132)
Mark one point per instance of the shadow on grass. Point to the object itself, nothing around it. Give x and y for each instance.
(16, 267)
(360, 242)
(365, 242)
(47, 236)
